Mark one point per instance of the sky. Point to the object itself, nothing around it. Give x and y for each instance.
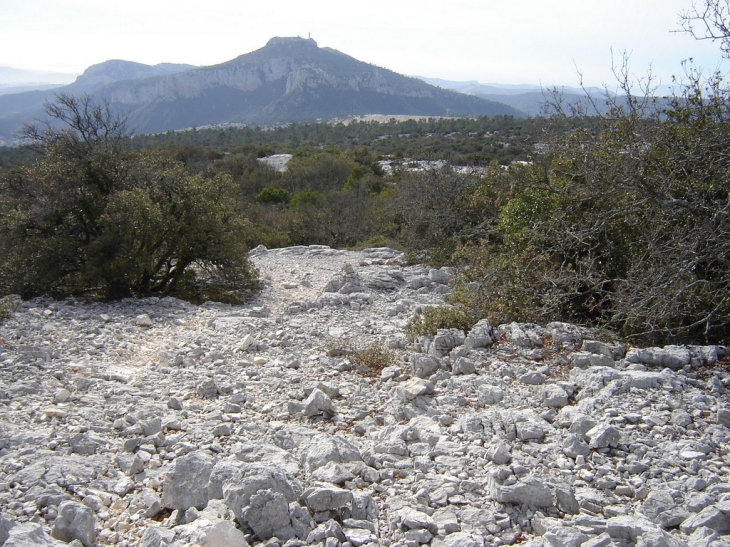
(541, 42)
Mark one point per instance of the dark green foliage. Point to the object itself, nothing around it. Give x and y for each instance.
(502, 138)
(91, 218)
(428, 212)
(306, 198)
(6, 308)
(627, 227)
(272, 194)
(17, 156)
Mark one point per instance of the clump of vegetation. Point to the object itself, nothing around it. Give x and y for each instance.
(369, 359)
(373, 358)
(90, 217)
(6, 308)
(433, 318)
(625, 227)
(273, 195)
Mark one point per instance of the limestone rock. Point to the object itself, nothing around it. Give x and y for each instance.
(603, 436)
(187, 482)
(143, 320)
(513, 444)
(326, 499)
(224, 534)
(424, 366)
(530, 491)
(673, 357)
(317, 403)
(490, 395)
(75, 521)
(29, 534)
(415, 387)
(481, 335)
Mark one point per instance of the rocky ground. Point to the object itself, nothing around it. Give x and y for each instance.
(157, 422)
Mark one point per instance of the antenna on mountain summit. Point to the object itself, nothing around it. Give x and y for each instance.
(310, 35)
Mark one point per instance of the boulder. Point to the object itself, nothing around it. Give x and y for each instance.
(424, 366)
(530, 491)
(603, 436)
(225, 534)
(75, 521)
(489, 395)
(481, 335)
(30, 534)
(673, 357)
(326, 449)
(187, 482)
(326, 498)
(415, 387)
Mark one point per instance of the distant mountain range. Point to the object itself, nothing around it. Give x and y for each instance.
(290, 79)
(15, 80)
(529, 99)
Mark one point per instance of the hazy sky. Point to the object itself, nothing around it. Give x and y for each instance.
(507, 41)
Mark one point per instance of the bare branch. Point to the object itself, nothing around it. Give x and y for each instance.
(708, 20)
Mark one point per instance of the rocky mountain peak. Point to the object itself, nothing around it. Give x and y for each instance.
(291, 42)
(118, 70)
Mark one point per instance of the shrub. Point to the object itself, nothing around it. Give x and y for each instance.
(373, 358)
(6, 308)
(91, 217)
(272, 194)
(306, 198)
(370, 359)
(458, 316)
(626, 226)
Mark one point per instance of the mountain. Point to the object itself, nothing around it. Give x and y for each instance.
(19, 108)
(473, 87)
(289, 79)
(98, 76)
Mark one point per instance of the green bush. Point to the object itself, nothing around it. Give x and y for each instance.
(457, 316)
(373, 359)
(370, 359)
(272, 194)
(6, 308)
(624, 226)
(90, 217)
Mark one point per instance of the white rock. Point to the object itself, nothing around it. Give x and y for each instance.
(143, 320)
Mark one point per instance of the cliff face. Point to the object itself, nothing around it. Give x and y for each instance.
(297, 62)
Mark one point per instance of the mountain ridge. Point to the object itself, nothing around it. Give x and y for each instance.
(287, 80)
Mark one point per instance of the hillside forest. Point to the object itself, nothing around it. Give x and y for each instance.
(619, 220)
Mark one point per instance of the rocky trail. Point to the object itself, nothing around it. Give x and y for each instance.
(160, 423)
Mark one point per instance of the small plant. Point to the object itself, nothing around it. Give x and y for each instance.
(370, 360)
(374, 358)
(441, 317)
